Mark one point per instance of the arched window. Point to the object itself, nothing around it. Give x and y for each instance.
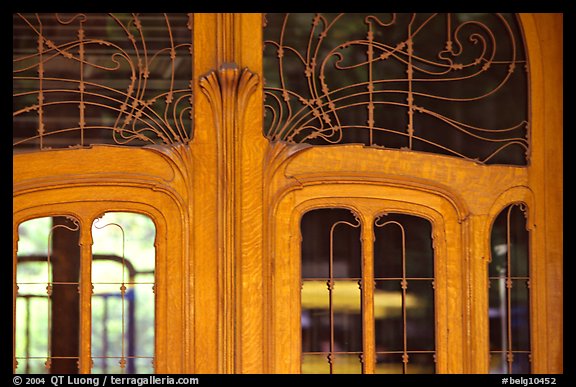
(50, 276)
(509, 277)
(337, 331)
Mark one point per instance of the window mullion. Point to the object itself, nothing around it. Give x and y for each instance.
(85, 299)
(369, 354)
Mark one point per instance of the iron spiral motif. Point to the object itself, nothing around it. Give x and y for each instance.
(453, 84)
(82, 79)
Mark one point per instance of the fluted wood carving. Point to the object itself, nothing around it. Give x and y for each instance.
(228, 91)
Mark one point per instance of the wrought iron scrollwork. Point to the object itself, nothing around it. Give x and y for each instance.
(453, 84)
(82, 79)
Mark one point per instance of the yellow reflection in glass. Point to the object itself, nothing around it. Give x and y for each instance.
(386, 303)
(390, 363)
(315, 364)
(346, 296)
(347, 364)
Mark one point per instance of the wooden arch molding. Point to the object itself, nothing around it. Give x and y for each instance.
(367, 200)
(68, 183)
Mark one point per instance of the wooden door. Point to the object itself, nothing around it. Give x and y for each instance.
(228, 203)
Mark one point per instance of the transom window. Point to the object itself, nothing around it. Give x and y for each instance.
(440, 83)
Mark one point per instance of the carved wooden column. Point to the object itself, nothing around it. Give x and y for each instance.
(543, 34)
(85, 242)
(228, 190)
(476, 228)
(228, 90)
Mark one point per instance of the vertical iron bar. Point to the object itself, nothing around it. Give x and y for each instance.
(81, 85)
(404, 285)
(509, 355)
(27, 334)
(123, 357)
(330, 300)
(40, 83)
(410, 71)
(449, 32)
(370, 55)
(503, 318)
(105, 334)
(123, 297)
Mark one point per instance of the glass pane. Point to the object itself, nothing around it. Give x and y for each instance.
(388, 250)
(318, 228)
(498, 315)
(389, 363)
(519, 243)
(144, 365)
(498, 364)
(123, 311)
(420, 319)
(521, 364)
(33, 271)
(419, 251)
(347, 249)
(143, 299)
(315, 364)
(107, 326)
(499, 246)
(347, 364)
(388, 316)
(421, 363)
(520, 316)
(68, 364)
(109, 272)
(404, 304)
(32, 330)
(315, 317)
(48, 300)
(509, 294)
(388, 247)
(346, 301)
(139, 327)
(111, 364)
(33, 236)
(138, 234)
(65, 343)
(32, 366)
(331, 315)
